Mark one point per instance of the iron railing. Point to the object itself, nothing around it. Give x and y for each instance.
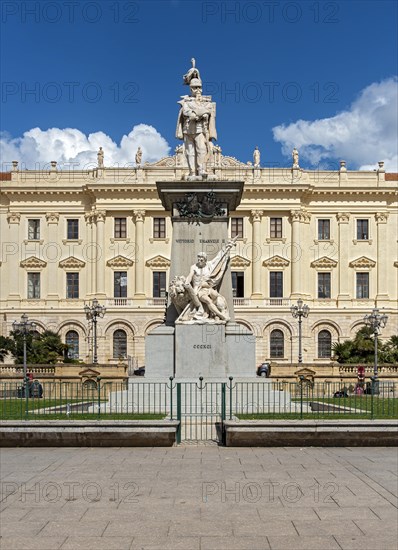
(200, 406)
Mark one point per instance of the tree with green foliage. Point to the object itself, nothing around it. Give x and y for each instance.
(5, 347)
(361, 349)
(41, 349)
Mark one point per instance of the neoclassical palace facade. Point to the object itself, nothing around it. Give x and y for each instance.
(328, 237)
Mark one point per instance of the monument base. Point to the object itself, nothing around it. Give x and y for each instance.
(214, 351)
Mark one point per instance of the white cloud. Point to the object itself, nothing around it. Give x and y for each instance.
(36, 148)
(362, 135)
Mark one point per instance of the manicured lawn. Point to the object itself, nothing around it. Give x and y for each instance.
(14, 409)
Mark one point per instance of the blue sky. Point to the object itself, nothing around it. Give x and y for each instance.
(100, 66)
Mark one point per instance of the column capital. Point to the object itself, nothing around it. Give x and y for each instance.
(256, 215)
(13, 217)
(343, 217)
(381, 217)
(300, 215)
(89, 217)
(100, 215)
(138, 215)
(52, 217)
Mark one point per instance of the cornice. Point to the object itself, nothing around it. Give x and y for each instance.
(120, 261)
(33, 263)
(158, 262)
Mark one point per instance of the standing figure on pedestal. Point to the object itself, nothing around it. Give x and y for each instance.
(100, 158)
(138, 157)
(196, 296)
(256, 157)
(196, 125)
(295, 157)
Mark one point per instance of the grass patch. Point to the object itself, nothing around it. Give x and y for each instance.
(306, 416)
(14, 409)
(383, 407)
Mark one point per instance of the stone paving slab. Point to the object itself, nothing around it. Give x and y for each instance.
(199, 498)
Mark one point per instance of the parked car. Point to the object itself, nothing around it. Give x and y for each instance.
(341, 393)
(140, 371)
(264, 370)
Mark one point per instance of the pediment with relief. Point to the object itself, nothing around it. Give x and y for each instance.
(324, 262)
(33, 263)
(72, 263)
(119, 261)
(240, 262)
(158, 262)
(362, 262)
(276, 261)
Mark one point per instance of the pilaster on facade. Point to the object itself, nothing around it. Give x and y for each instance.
(100, 216)
(256, 216)
(382, 297)
(297, 251)
(11, 254)
(139, 217)
(343, 292)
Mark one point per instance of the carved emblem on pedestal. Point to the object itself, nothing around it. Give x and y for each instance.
(194, 208)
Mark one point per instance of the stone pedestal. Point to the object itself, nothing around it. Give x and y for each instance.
(187, 351)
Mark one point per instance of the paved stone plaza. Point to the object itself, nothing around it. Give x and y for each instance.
(199, 497)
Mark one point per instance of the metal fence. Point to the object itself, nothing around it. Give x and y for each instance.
(201, 406)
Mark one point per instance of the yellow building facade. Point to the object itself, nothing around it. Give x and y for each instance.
(328, 237)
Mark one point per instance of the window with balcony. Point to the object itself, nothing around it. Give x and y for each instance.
(120, 284)
(33, 230)
(237, 228)
(120, 228)
(276, 228)
(362, 230)
(159, 228)
(72, 286)
(72, 229)
(362, 290)
(34, 285)
(276, 284)
(324, 344)
(119, 344)
(238, 284)
(159, 284)
(72, 341)
(277, 343)
(324, 285)
(323, 230)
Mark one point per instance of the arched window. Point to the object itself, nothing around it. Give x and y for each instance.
(72, 341)
(324, 344)
(119, 344)
(277, 344)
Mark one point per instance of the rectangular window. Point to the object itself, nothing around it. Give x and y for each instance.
(362, 230)
(276, 284)
(276, 228)
(237, 228)
(238, 284)
(120, 284)
(34, 285)
(323, 285)
(159, 284)
(362, 285)
(120, 228)
(33, 230)
(72, 231)
(323, 230)
(159, 228)
(72, 285)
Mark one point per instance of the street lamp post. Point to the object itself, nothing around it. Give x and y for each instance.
(24, 327)
(299, 311)
(92, 312)
(376, 322)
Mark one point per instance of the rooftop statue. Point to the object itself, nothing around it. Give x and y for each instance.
(256, 157)
(100, 158)
(196, 124)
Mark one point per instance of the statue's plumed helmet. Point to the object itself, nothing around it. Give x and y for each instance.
(195, 82)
